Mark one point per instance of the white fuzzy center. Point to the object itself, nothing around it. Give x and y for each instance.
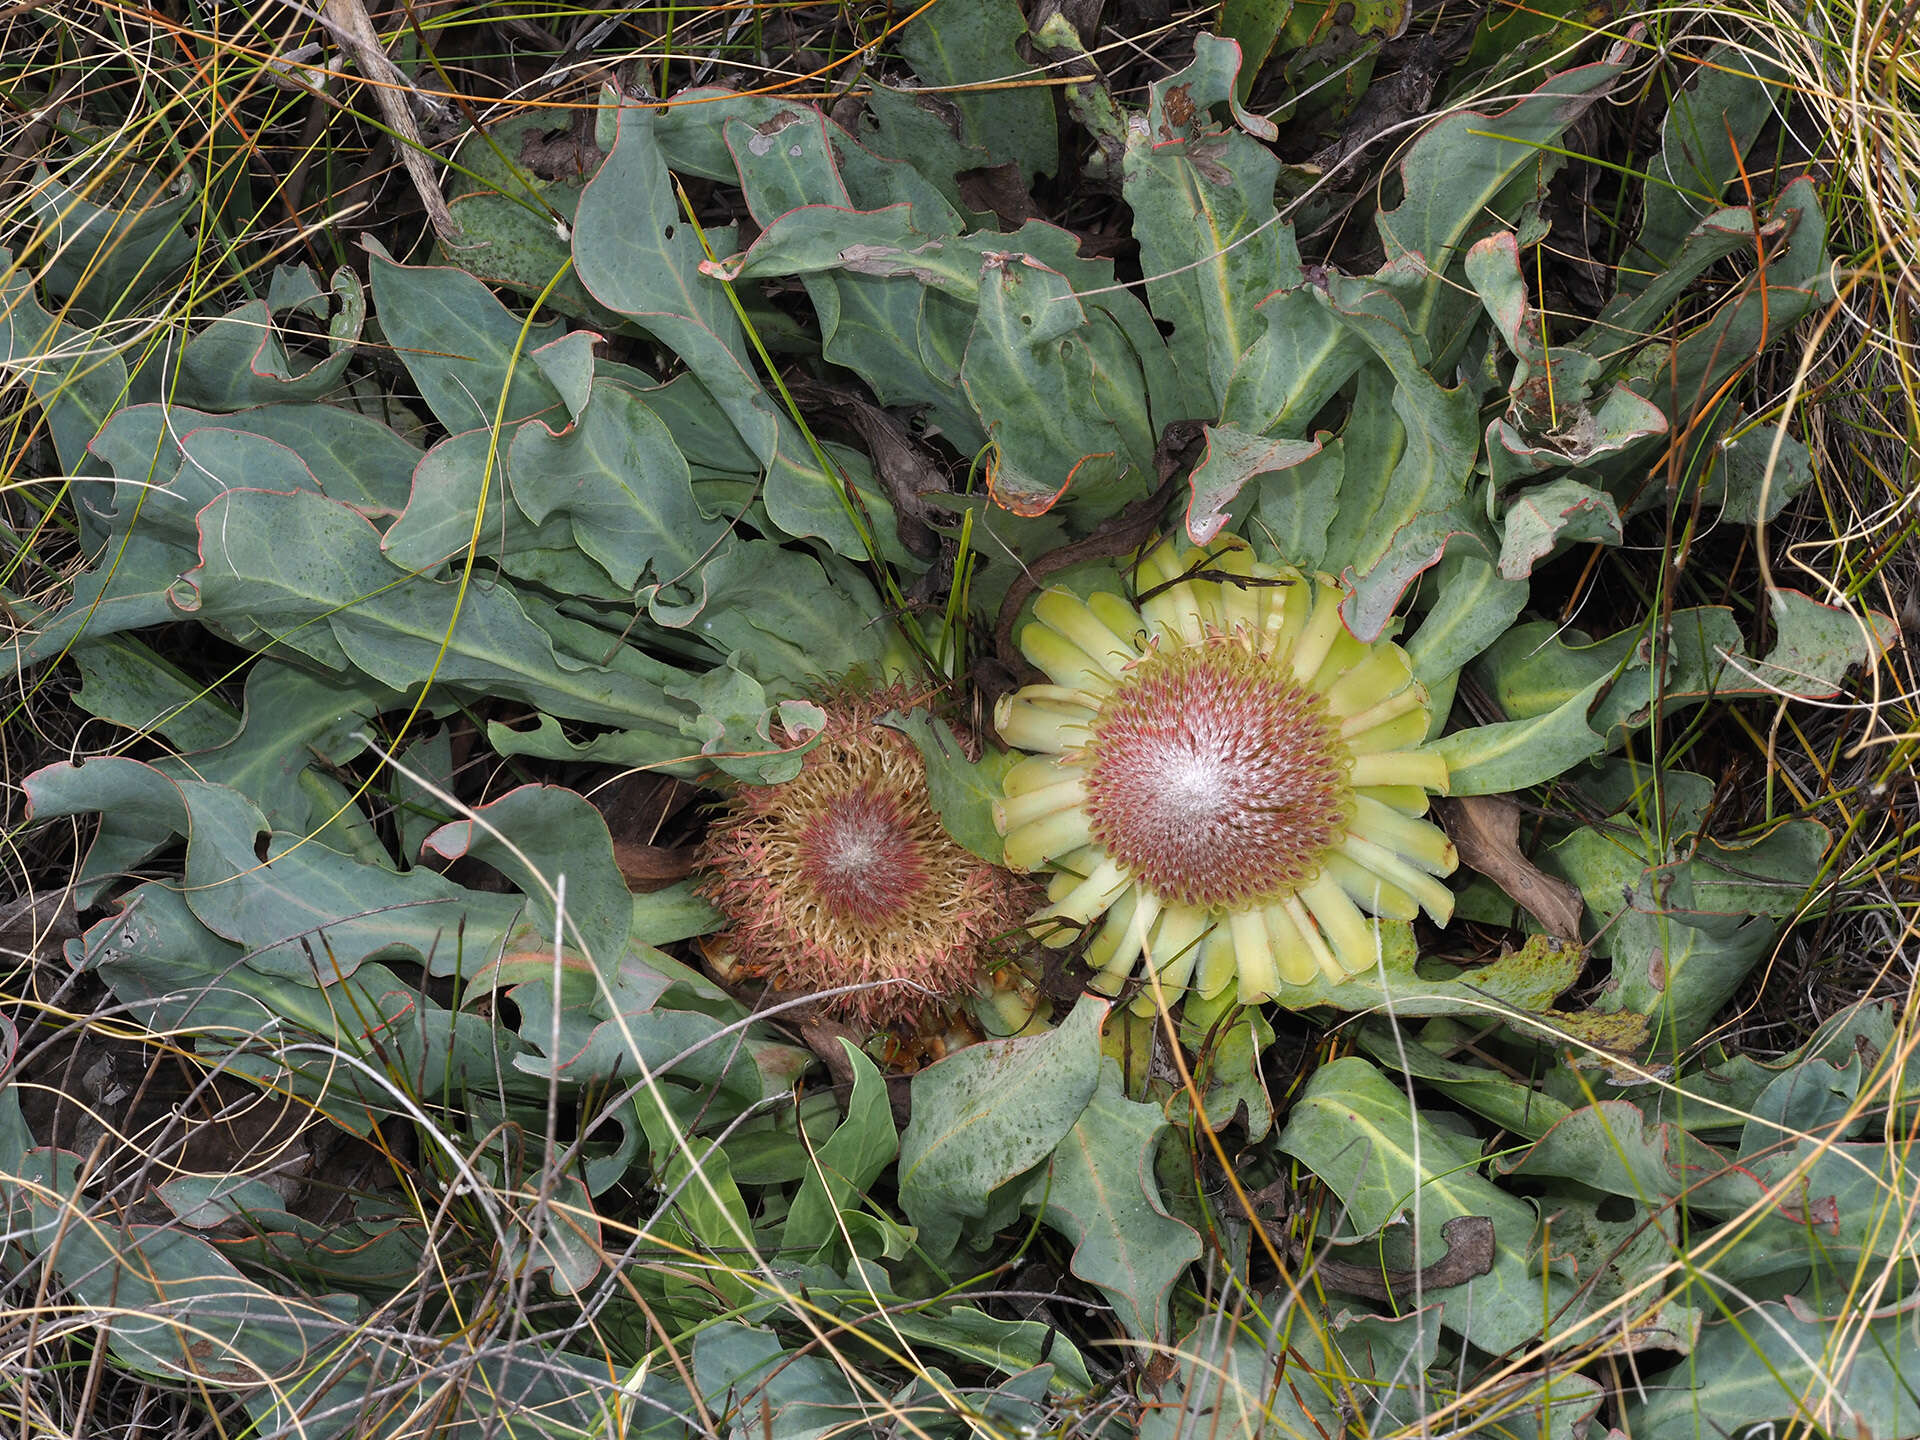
(853, 844)
(1192, 788)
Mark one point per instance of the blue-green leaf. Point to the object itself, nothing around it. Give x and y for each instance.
(554, 846)
(961, 45)
(302, 569)
(846, 1162)
(460, 344)
(988, 1115)
(1468, 165)
(622, 483)
(1101, 1193)
(1358, 1131)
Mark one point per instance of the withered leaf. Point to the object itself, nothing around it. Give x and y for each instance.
(999, 190)
(1469, 1255)
(1486, 831)
(652, 867)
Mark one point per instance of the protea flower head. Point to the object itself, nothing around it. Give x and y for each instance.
(844, 876)
(1225, 774)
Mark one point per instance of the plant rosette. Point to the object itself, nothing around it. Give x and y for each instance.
(844, 877)
(1223, 776)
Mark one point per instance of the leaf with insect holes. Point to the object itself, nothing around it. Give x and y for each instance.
(961, 45)
(282, 897)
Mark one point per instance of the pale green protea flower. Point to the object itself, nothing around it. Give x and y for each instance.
(1225, 774)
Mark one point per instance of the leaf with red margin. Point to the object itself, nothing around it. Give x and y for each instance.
(241, 359)
(1462, 167)
(304, 571)
(1231, 459)
(1556, 514)
(1568, 697)
(640, 257)
(1612, 1146)
(1415, 547)
(459, 343)
(1030, 373)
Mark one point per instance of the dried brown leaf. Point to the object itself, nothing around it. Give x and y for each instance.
(1469, 1255)
(1486, 831)
(652, 867)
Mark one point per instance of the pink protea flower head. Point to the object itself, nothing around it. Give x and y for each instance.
(1225, 774)
(844, 876)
